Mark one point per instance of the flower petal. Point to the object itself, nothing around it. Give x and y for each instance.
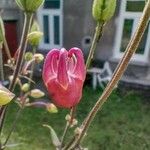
(79, 70)
(50, 65)
(62, 75)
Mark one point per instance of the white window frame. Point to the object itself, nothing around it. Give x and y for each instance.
(120, 24)
(51, 13)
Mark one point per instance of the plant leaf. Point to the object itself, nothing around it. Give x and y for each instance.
(54, 137)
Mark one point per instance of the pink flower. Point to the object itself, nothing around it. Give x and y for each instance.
(64, 74)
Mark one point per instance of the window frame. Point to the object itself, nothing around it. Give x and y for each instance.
(124, 14)
(51, 13)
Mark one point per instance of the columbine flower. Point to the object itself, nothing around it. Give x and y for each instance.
(64, 74)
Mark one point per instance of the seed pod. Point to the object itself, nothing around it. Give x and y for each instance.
(29, 5)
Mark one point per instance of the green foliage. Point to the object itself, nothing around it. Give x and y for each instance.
(122, 124)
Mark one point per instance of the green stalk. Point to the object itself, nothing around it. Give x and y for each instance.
(72, 114)
(130, 50)
(7, 48)
(1, 64)
(22, 47)
(97, 36)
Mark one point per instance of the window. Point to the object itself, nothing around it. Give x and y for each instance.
(50, 19)
(130, 12)
(52, 4)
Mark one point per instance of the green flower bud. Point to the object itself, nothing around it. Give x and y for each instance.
(36, 93)
(29, 5)
(78, 131)
(2, 30)
(25, 87)
(28, 56)
(103, 10)
(35, 27)
(68, 117)
(51, 108)
(5, 96)
(34, 38)
(38, 57)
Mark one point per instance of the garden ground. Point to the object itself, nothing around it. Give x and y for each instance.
(122, 124)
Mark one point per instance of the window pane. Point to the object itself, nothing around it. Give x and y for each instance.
(127, 30)
(46, 28)
(141, 47)
(135, 6)
(56, 30)
(52, 4)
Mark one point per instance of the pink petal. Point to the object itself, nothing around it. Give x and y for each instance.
(50, 65)
(62, 75)
(79, 70)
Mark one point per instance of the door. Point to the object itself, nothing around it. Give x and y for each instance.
(11, 36)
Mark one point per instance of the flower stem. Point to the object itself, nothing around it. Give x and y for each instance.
(22, 47)
(6, 48)
(13, 127)
(72, 112)
(130, 50)
(1, 64)
(32, 66)
(97, 36)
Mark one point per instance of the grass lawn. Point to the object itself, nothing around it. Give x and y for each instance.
(122, 124)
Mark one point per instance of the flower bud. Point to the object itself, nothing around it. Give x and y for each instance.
(2, 30)
(74, 122)
(68, 117)
(51, 108)
(103, 10)
(35, 27)
(11, 62)
(34, 38)
(11, 78)
(36, 93)
(28, 56)
(29, 5)
(5, 96)
(64, 74)
(38, 57)
(25, 87)
(78, 131)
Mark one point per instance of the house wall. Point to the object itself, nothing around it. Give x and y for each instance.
(79, 24)
(11, 13)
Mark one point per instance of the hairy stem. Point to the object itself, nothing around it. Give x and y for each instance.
(130, 50)
(97, 36)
